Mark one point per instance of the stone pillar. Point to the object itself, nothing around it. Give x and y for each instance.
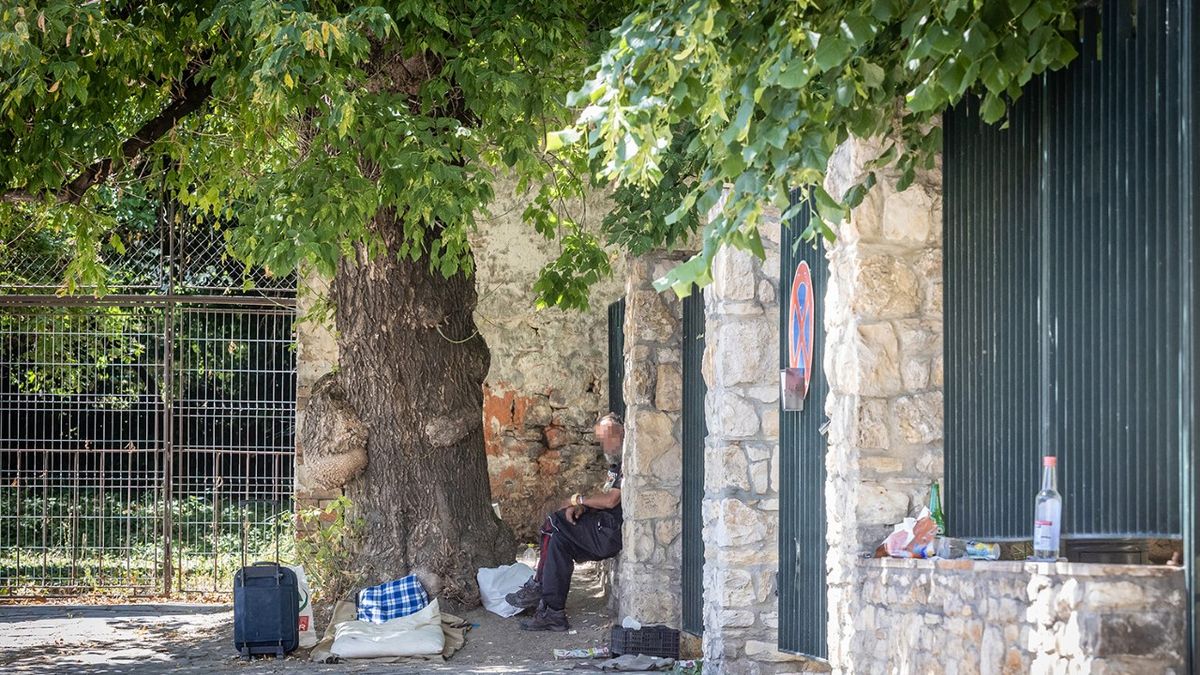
(741, 463)
(883, 359)
(649, 579)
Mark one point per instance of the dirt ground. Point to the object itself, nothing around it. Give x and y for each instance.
(191, 639)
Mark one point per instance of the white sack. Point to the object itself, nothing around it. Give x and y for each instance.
(417, 634)
(497, 582)
(307, 631)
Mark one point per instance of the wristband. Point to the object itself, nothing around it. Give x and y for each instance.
(576, 499)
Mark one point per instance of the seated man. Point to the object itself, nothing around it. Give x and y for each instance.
(586, 528)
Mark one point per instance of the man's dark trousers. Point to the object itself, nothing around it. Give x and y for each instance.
(595, 535)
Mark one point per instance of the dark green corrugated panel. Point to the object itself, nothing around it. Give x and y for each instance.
(991, 268)
(1064, 289)
(802, 585)
(695, 430)
(1189, 381)
(616, 357)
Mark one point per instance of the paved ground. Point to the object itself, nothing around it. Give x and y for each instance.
(194, 639)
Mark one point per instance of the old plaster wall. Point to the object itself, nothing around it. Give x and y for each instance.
(548, 381)
(648, 585)
(741, 477)
(548, 378)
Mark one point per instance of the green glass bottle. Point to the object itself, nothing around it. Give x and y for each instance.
(935, 508)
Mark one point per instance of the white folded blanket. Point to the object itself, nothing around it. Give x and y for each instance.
(412, 635)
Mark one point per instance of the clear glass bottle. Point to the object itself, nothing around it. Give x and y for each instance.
(1047, 510)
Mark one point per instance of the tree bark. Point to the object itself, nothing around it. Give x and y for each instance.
(412, 365)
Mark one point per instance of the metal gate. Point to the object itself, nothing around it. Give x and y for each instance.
(146, 439)
(802, 583)
(695, 429)
(616, 358)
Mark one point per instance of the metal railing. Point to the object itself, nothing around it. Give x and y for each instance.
(146, 438)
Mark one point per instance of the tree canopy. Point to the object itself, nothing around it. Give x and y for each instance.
(769, 88)
(290, 124)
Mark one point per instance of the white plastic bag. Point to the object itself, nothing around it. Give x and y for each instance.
(307, 631)
(417, 634)
(497, 582)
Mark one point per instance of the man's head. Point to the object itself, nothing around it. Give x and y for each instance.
(611, 434)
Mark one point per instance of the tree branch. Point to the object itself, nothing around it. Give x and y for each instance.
(191, 97)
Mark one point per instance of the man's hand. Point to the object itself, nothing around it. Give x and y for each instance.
(572, 513)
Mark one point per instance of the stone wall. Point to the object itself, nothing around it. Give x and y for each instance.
(741, 462)
(962, 616)
(548, 380)
(883, 322)
(648, 585)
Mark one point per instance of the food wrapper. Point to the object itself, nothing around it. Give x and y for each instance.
(912, 538)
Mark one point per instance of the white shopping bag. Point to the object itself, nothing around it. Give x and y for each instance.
(497, 582)
(307, 631)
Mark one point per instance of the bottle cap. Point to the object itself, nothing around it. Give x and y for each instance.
(1050, 460)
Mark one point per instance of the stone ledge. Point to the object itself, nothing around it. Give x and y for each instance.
(1064, 569)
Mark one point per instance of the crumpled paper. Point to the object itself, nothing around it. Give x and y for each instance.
(911, 538)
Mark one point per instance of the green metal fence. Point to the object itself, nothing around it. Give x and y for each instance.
(802, 584)
(694, 432)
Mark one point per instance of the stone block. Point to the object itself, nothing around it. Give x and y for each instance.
(880, 504)
(919, 418)
(767, 651)
(733, 274)
(760, 477)
(732, 618)
(651, 316)
(770, 422)
(649, 504)
(734, 589)
(668, 391)
(1104, 595)
(865, 361)
(639, 382)
(907, 217)
(738, 524)
(876, 464)
(651, 447)
(666, 531)
(1138, 634)
(883, 287)
(744, 351)
(725, 467)
(735, 417)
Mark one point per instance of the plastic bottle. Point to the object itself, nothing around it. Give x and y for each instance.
(949, 547)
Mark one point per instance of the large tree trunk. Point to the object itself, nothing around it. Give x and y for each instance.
(412, 365)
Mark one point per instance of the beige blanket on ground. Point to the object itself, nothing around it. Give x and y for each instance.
(453, 627)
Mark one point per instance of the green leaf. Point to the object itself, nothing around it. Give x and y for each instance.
(556, 140)
(794, 76)
(872, 74)
(992, 108)
(831, 52)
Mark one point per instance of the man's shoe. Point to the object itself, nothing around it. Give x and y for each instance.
(547, 619)
(526, 596)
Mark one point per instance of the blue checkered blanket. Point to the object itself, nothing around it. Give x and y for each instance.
(391, 600)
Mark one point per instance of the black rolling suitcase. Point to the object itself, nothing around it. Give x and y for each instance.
(266, 606)
(266, 610)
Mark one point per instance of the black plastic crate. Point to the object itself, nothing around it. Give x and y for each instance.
(648, 640)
